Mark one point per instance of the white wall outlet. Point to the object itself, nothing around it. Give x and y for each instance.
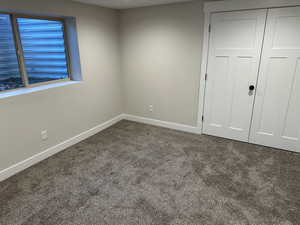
(150, 108)
(44, 135)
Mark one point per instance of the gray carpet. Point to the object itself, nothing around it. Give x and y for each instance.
(139, 174)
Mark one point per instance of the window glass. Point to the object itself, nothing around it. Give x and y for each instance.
(10, 76)
(44, 49)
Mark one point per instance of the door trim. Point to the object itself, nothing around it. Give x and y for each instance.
(205, 52)
(233, 5)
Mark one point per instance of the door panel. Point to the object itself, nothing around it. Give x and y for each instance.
(234, 54)
(276, 117)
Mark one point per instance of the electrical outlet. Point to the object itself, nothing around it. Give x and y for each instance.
(44, 135)
(150, 108)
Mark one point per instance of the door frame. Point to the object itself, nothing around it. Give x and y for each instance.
(227, 6)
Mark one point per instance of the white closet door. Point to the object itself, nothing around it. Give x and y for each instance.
(234, 55)
(276, 118)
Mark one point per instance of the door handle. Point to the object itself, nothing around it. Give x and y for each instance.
(251, 88)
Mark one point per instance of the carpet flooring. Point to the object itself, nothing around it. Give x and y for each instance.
(138, 174)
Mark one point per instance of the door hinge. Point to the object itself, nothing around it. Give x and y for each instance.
(206, 76)
(209, 28)
(202, 118)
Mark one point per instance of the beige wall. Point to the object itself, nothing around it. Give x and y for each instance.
(70, 110)
(133, 59)
(161, 57)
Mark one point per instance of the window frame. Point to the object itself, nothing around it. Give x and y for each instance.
(20, 53)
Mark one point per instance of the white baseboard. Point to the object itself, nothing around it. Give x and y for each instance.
(160, 123)
(6, 173)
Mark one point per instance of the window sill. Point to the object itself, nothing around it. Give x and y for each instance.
(24, 91)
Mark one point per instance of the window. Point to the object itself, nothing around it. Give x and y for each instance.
(32, 51)
(10, 76)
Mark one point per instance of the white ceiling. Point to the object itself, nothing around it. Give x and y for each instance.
(125, 4)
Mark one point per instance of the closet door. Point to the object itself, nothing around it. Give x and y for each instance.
(234, 54)
(276, 118)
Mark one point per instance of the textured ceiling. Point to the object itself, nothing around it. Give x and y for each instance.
(125, 4)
